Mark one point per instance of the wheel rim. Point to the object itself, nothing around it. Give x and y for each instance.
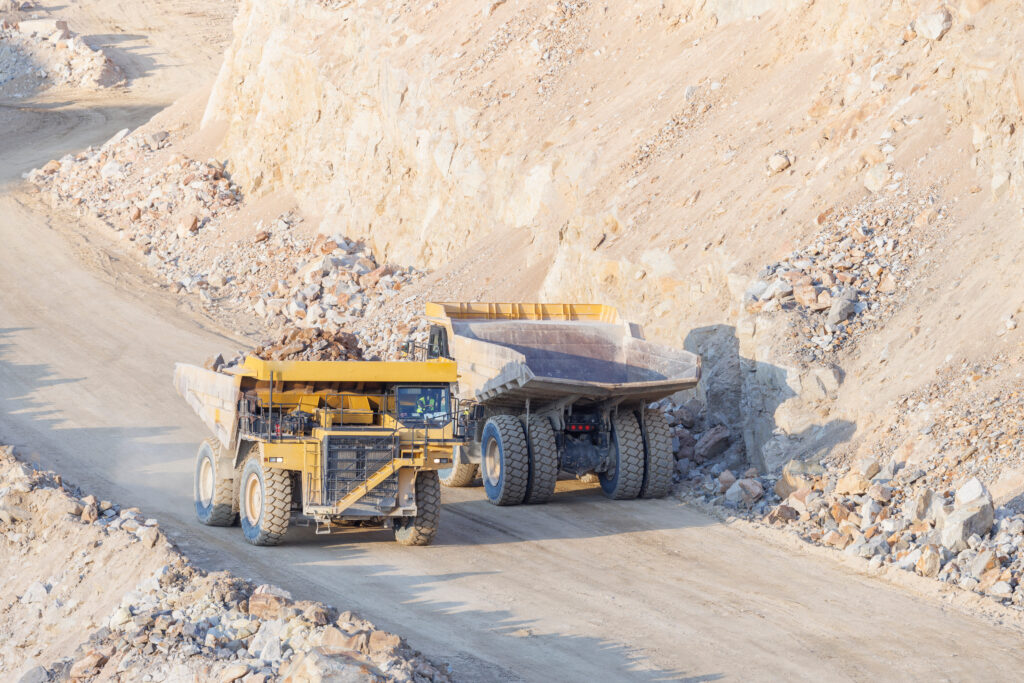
(206, 483)
(253, 499)
(492, 463)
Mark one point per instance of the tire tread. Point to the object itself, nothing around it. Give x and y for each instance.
(659, 461)
(543, 459)
(421, 529)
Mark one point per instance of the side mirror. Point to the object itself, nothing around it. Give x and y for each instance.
(406, 347)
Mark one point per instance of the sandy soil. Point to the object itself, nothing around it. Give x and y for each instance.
(581, 589)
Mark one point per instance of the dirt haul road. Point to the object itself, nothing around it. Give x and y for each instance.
(580, 589)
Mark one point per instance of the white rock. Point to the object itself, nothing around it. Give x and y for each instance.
(933, 25)
(970, 491)
(36, 592)
(876, 177)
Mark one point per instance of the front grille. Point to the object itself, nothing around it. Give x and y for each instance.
(350, 460)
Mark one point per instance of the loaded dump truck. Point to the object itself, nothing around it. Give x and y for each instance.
(342, 442)
(561, 388)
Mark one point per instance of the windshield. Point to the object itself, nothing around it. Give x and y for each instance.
(422, 404)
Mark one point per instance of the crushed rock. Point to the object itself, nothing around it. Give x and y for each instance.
(36, 54)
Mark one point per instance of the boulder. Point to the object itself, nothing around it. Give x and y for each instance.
(318, 665)
(880, 493)
(88, 665)
(797, 474)
(876, 177)
(37, 674)
(90, 513)
(964, 522)
(712, 443)
(687, 445)
(840, 311)
(268, 602)
(983, 562)
(970, 491)
(35, 593)
(744, 492)
(333, 640)
(909, 561)
(782, 514)
(868, 467)
(933, 25)
(383, 643)
(930, 561)
(777, 163)
(853, 483)
(684, 416)
(916, 508)
(233, 673)
(42, 27)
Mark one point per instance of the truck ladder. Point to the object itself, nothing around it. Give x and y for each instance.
(372, 482)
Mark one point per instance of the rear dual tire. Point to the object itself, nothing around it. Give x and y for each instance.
(659, 461)
(625, 474)
(504, 460)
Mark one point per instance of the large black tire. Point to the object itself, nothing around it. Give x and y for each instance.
(659, 461)
(625, 474)
(421, 529)
(505, 460)
(264, 502)
(213, 487)
(543, 473)
(459, 474)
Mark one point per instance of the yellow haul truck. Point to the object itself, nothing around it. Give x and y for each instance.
(562, 388)
(343, 443)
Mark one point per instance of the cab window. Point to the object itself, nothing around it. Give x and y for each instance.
(422, 404)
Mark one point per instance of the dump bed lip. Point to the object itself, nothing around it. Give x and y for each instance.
(554, 388)
(439, 370)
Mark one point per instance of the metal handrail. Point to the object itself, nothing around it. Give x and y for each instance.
(256, 418)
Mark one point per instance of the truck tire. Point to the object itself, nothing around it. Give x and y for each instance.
(543, 472)
(459, 474)
(505, 460)
(264, 502)
(659, 461)
(213, 488)
(625, 474)
(421, 529)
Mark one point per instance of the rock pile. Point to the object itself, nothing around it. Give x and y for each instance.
(181, 622)
(969, 422)
(177, 623)
(40, 53)
(887, 516)
(850, 278)
(697, 441)
(311, 343)
(178, 213)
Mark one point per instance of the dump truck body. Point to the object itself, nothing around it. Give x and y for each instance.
(577, 378)
(350, 441)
